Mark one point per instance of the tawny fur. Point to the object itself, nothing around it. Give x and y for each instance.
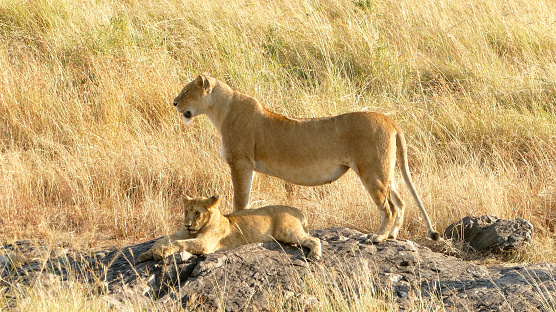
(304, 151)
(207, 230)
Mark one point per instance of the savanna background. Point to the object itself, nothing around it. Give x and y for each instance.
(93, 154)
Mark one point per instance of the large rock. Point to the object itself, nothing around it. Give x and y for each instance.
(395, 274)
(491, 233)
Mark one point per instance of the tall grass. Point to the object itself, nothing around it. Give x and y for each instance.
(92, 153)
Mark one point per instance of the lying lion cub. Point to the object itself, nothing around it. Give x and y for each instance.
(207, 230)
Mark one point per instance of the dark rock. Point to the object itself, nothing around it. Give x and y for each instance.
(396, 274)
(491, 233)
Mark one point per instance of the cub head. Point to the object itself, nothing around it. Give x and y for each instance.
(192, 99)
(198, 212)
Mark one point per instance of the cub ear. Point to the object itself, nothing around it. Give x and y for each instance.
(186, 198)
(213, 201)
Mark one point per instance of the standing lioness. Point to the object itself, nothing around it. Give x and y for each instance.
(304, 151)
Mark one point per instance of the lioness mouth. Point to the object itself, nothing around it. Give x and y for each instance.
(187, 114)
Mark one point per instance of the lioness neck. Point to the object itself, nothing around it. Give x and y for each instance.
(224, 100)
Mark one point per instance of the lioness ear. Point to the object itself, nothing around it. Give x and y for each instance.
(204, 82)
(199, 81)
(186, 198)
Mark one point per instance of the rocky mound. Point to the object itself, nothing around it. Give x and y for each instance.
(396, 274)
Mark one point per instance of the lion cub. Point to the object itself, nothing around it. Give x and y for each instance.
(207, 230)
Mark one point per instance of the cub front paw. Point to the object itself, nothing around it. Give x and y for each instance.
(164, 251)
(146, 256)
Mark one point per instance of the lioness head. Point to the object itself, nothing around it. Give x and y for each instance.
(191, 100)
(198, 212)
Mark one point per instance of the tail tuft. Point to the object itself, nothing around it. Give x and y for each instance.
(434, 236)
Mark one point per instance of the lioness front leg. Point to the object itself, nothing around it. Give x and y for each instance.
(242, 180)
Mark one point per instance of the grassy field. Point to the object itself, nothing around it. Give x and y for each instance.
(93, 154)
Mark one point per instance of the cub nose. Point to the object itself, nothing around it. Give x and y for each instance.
(187, 114)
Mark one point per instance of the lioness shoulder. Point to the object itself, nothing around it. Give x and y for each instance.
(206, 229)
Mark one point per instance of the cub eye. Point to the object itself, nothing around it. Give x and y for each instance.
(197, 214)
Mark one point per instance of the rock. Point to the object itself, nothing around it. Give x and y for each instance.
(5, 259)
(491, 233)
(25, 252)
(393, 275)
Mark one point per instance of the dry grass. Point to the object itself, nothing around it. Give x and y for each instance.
(92, 153)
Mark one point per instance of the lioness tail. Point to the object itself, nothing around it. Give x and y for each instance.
(401, 147)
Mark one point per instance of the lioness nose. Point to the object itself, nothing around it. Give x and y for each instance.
(175, 103)
(187, 114)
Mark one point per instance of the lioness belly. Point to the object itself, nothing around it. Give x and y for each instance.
(308, 174)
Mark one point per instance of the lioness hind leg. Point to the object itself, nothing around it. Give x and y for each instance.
(400, 215)
(388, 211)
(388, 214)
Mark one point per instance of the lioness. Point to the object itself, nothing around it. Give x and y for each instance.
(304, 151)
(207, 230)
